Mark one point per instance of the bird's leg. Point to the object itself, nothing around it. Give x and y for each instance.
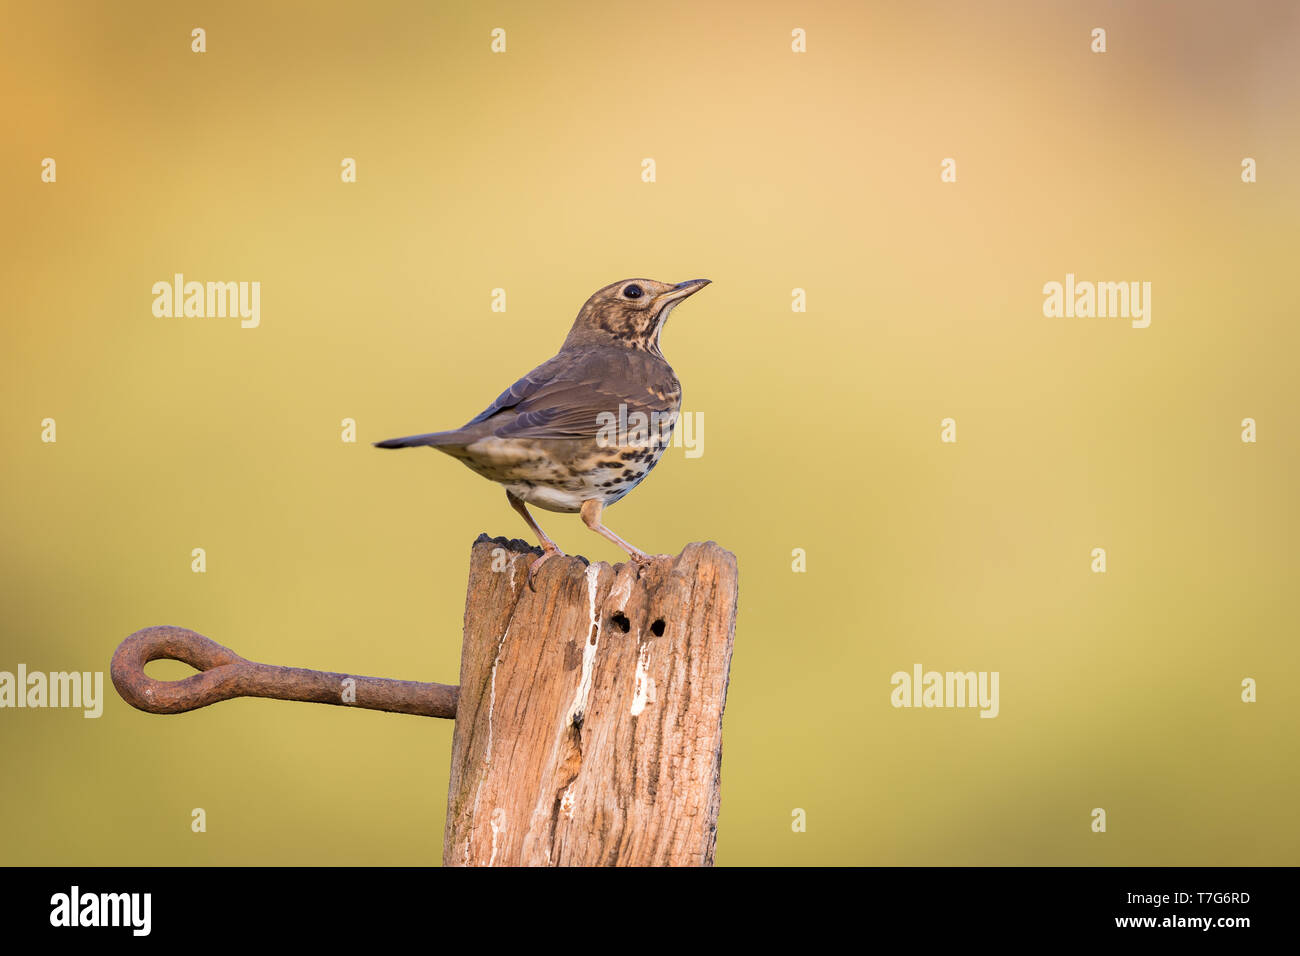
(591, 509)
(549, 547)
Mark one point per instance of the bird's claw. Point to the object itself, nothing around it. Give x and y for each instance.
(641, 561)
(532, 568)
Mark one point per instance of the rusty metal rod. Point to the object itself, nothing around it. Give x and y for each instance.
(224, 674)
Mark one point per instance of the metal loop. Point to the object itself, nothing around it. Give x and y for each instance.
(224, 674)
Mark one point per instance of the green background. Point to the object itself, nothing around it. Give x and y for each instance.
(775, 170)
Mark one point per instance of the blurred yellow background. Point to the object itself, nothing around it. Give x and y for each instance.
(775, 170)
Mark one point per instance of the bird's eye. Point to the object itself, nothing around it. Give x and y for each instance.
(633, 292)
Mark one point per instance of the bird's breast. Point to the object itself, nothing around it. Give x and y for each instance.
(561, 475)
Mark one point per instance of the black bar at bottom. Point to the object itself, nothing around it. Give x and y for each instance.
(302, 905)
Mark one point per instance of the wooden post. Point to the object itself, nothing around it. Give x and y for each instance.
(589, 726)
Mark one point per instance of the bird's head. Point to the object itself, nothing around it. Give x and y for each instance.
(630, 313)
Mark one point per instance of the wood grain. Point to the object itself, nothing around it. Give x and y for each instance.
(589, 725)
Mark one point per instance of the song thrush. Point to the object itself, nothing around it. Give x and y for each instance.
(584, 428)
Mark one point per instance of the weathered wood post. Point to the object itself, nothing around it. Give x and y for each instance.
(589, 725)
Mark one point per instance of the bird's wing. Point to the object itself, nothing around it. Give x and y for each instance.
(527, 386)
(566, 397)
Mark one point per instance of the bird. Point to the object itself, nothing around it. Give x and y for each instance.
(585, 427)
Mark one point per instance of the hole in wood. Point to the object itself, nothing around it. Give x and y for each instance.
(657, 628)
(621, 622)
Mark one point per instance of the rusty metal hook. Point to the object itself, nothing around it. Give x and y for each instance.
(224, 674)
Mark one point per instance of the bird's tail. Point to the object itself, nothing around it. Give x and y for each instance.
(433, 439)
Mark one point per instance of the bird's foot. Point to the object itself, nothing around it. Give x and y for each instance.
(640, 560)
(532, 568)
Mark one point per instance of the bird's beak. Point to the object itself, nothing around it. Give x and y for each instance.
(682, 289)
